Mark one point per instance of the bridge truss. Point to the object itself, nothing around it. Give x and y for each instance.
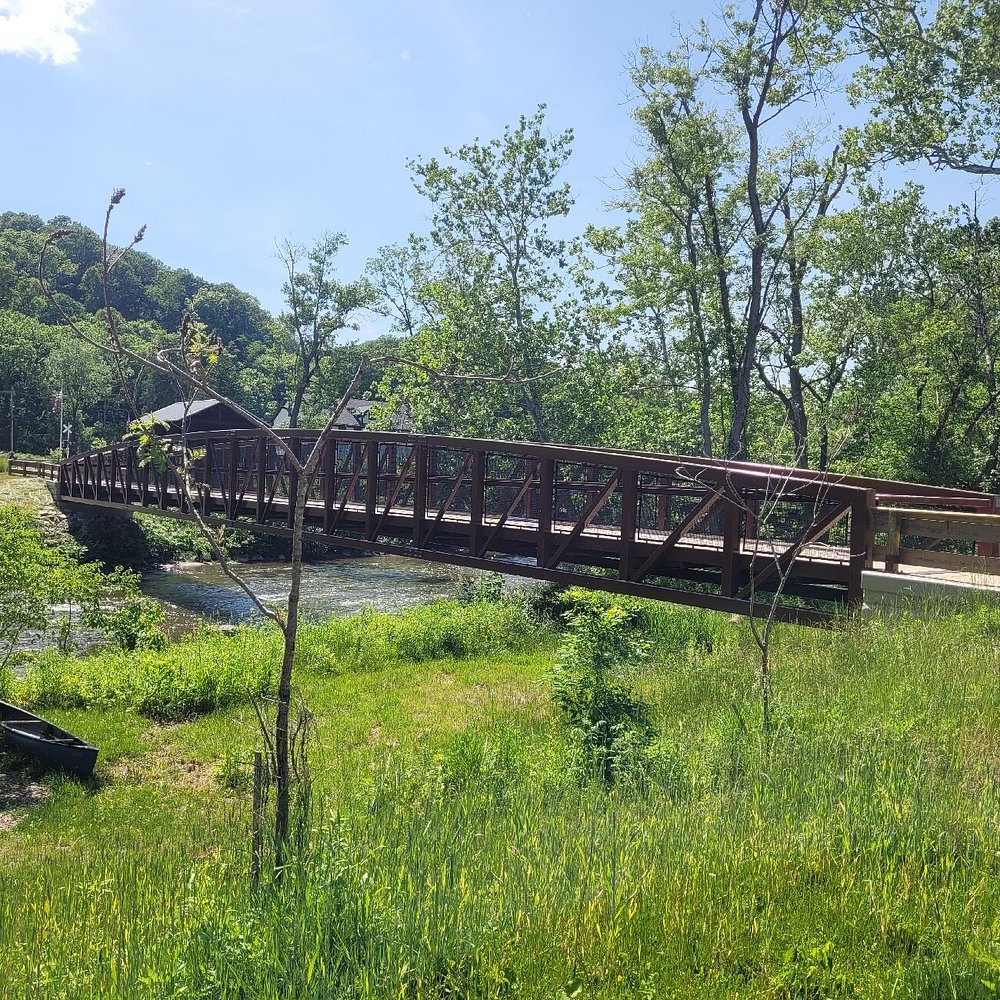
(730, 536)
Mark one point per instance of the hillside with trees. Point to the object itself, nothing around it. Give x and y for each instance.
(762, 288)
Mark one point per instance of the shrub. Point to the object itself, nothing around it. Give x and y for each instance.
(480, 588)
(612, 728)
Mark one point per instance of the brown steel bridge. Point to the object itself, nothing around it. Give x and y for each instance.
(731, 536)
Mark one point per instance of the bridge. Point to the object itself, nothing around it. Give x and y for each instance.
(732, 536)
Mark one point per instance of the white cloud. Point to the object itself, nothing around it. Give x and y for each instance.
(42, 28)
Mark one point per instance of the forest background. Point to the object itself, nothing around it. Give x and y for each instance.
(761, 287)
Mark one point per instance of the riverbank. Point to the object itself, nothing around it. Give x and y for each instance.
(454, 852)
(32, 495)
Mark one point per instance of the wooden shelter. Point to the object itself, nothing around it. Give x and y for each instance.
(198, 416)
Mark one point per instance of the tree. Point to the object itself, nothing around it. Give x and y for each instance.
(481, 293)
(188, 363)
(927, 388)
(236, 317)
(34, 577)
(724, 212)
(24, 567)
(931, 82)
(24, 349)
(319, 307)
(84, 376)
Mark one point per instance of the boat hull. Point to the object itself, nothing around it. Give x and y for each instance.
(46, 741)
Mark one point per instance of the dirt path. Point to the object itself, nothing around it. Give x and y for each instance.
(18, 792)
(33, 495)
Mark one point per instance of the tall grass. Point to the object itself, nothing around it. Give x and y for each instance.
(854, 853)
(211, 670)
(208, 672)
(447, 629)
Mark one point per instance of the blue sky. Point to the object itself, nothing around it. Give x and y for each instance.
(232, 123)
(235, 123)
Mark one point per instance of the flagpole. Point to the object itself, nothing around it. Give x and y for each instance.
(61, 425)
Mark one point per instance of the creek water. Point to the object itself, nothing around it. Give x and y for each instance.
(193, 592)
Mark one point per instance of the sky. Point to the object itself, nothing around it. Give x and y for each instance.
(233, 124)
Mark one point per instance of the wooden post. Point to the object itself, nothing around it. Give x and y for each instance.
(257, 822)
(892, 550)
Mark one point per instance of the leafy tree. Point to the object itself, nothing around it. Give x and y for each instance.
(24, 568)
(319, 308)
(928, 389)
(25, 345)
(237, 318)
(481, 293)
(35, 578)
(85, 378)
(930, 81)
(718, 250)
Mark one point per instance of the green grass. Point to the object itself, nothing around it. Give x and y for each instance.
(453, 853)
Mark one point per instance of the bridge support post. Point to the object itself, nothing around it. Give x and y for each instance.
(477, 501)
(371, 489)
(419, 492)
(329, 484)
(862, 544)
(732, 533)
(546, 491)
(629, 521)
(206, 495)
(293, 482)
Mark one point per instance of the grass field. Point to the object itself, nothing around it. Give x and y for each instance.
(453, 849)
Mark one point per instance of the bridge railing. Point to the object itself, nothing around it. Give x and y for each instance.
(30, 467)
(644, 522)
(914, 536)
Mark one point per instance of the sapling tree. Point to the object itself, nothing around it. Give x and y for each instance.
(188, 363)
(773, 562)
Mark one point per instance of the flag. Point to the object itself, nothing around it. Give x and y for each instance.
(56, 401)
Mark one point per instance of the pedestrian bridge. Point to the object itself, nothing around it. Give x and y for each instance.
(733, 536)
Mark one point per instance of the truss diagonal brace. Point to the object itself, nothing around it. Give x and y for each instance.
(588, 515)
(695, 515)
(804, 538)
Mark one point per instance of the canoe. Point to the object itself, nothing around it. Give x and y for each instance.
(45, 740)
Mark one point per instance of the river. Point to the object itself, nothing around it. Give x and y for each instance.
(194, 592)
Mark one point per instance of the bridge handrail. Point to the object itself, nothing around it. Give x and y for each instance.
(832, 486)
(29, 467)
(887, 490)
(934, 527)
